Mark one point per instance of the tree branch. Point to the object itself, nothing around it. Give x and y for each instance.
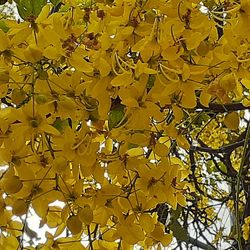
(200, 244)
(222, 108)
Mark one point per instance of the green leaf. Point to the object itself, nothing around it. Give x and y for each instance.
(132, 145)
(94, 115)
(29, 8)
(175, 214)
(202, 118)
(212, 182)
(55, 2)
(151, 81)
(180, 233)
(211, 169)
(222, 167)
(115, 116)
(38, 5)
(3, 26)
(60, 125)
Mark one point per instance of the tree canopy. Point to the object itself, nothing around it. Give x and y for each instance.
(125, 124)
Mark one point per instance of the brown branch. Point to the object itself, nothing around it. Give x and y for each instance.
(222, 108)
(196, 184)
(222, 150)
(226, 151)
(200, 244)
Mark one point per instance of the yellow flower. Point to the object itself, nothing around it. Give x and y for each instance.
(4, 41)
(246, 228)
(33, 53)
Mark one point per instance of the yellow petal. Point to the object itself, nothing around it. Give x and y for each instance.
(193, 40)
(147, 223)
(232, 120)
(205, 98)
(60, 164)
(123, 79)
(74, 224)
(11, 184)
(19, 207)
(181, 199)
(160, 149)
(86, 215)
(172, 53)
(51, 53)
(135, 151)
(130, 102)
(49, 129)
(246, 83)
(4, 76)
(104, 67)
(4, 41)
(186, 72)
(188, 99)
(33, 53)
(79, 63)
(166, 239)
(178, 113)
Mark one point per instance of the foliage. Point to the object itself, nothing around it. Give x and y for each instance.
(133, 114)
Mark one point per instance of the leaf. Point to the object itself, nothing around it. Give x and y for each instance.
(18, 96)
(37, 6)
(222, 167)
(60, 164)
(28, 8)
(180, 233)
(4, 75)
(135, 151)
(60, 230)
(60, 125)
(10, 242)
(3, 26)
(158, 232)
(74, 224)
(115, 116)
(227, 82)
(151, 81)
(55, 2)
(40, 207)
(161, 149)
(203, 48)
(12, 184)
(19, 207)
(232, 121)
(15, 228)
(86, 215)
(41, 99)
